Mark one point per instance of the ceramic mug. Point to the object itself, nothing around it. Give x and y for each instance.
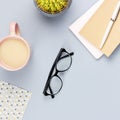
(14, 50)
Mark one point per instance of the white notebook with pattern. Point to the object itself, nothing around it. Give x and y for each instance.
(13, 101)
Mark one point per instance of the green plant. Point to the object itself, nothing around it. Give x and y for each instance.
(52, 6)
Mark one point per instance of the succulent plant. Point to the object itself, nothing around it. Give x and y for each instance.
(52, 6)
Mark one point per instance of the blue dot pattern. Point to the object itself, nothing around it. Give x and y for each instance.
(13, 101)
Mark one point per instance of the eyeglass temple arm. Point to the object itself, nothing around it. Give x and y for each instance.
(51, 92)
(70, 54)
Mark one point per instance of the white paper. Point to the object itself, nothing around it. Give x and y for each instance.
(79, 24)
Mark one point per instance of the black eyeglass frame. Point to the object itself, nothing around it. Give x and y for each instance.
(58, 58)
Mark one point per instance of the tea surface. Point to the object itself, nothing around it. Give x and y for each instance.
(13, 52)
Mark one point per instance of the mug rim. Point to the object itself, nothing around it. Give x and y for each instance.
(9, 68)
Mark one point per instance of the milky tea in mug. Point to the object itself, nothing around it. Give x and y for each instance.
(14, 50)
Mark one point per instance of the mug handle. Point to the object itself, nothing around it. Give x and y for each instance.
(14, 29)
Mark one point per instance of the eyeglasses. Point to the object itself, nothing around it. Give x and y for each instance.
(61, 64)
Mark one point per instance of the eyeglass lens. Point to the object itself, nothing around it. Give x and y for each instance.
(55, 84)
(64, 63)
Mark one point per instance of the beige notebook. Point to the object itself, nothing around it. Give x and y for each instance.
(95, 28)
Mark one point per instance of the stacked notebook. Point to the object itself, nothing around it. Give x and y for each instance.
(91, 27)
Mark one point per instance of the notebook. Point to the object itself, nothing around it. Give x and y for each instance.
(79, 24)
(13, 101)
(95, 28)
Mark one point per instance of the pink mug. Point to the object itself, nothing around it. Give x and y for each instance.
(14, 50)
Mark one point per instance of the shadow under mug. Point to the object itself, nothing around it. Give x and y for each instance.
(15, 35)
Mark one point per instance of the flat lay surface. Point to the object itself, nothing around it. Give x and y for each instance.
(90, 87)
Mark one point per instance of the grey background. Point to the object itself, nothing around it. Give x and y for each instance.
(91, 88)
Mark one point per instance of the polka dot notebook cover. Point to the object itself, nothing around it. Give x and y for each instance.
(13, 101)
